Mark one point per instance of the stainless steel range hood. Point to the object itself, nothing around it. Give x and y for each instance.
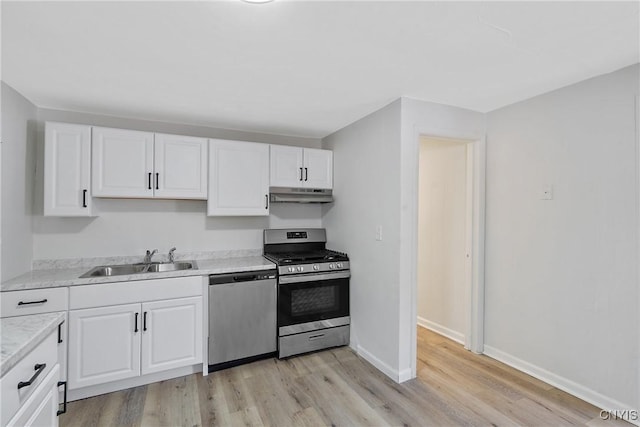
(300, 195)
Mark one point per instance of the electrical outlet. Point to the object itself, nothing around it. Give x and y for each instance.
(379, 233)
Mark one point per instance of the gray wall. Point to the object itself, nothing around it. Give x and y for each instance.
(18, 169)
(561, 274)
(376, 175)
(366, 172)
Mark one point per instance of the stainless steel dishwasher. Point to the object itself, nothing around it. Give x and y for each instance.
(242, 317)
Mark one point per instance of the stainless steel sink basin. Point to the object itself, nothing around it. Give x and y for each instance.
(127, 269)
(171, 266)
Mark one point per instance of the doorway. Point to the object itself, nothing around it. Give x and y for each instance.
(444, 236)
(475, 190)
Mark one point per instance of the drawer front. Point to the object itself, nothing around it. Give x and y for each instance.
(314, 340)
(12, 396)
(107, 294)
(41, 409)
(19, 303)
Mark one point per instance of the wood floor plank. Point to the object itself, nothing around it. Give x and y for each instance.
(214, 410)
(336, 387)
(308, 417)
(248, 417)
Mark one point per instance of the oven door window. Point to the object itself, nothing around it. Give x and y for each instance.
(312, 301)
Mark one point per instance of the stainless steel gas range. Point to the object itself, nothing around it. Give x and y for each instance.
(313, 290)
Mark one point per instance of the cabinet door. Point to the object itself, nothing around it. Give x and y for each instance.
(122, 163)
(180, 164)
(67, 163)
(238, 178)
(318, 168)
(286, 166)
(104, 344)
(171, 334)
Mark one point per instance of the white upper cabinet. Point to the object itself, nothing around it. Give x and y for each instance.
(318, 168)
(67, 170)
(180, 167)
(301, 167)
(122, 163)
(286, 166)
(238, 178)
(136, 164)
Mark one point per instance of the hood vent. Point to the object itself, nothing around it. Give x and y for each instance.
(300, 195)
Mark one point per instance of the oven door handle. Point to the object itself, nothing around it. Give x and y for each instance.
(299, 278)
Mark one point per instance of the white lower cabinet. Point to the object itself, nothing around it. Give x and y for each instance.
(29, 390)
(171, 334)
(104, 344)
(41, 410)
(36, 301)
(133, 337)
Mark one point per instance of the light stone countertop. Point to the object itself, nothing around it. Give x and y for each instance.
(22, 334)
(57, 277)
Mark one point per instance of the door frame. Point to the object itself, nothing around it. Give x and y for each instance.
(476, 158)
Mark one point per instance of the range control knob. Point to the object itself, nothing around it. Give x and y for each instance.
(316, 267)
(332, 266)
(300, 268)
(339, 265)
(291, 269)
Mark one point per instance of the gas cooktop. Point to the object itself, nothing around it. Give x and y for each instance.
(287, 258)
(302, 251)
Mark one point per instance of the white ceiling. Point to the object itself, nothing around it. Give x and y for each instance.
(304, 68)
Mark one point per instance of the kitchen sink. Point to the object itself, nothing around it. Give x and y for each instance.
(127, 269)
(171, 266)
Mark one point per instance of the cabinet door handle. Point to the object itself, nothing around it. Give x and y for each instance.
(300, 174)
(39, 368)
(135, 329)
(42, 301)
(60, 332)
(149, 180)
(84, 198)
(157, 180)
(64, 404)
(306, 174)
(144, 321)
(266, 201)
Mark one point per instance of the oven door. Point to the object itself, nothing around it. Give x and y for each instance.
(312, 301)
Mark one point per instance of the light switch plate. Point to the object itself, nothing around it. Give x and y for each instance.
(379, 233)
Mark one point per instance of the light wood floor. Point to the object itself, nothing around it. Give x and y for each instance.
(336, 387)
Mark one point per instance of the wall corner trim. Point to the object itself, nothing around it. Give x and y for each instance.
(562, 383)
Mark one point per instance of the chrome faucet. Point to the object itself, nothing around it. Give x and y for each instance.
(149, 255)
(171, 251)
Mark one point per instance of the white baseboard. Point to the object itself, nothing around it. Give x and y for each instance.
(405, 375)
(442, 330)
(383, 367)
(564, 384)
